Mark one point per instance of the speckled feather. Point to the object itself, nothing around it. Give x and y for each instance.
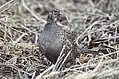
(52, 40)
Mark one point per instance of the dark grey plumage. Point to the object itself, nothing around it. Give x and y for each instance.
(52, 37)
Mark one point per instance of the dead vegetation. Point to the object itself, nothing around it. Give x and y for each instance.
(93, 24)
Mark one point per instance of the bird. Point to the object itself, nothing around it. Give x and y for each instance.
(53, 37)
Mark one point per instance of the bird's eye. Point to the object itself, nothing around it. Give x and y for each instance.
(55, 12)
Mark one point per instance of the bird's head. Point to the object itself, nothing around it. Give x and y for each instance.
(53, 15)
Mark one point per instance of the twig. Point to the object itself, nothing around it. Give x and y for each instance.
(14, 42)
(7, 5)
(65, 59)
(76, 40)
(40, 76)
(61, 53)
(33, 13)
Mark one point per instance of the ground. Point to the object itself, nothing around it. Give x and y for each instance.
(93, 25)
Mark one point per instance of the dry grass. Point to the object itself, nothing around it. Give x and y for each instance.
(93, 24)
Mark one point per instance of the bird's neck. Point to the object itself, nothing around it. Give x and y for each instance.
(50, 25)
(51, 19)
